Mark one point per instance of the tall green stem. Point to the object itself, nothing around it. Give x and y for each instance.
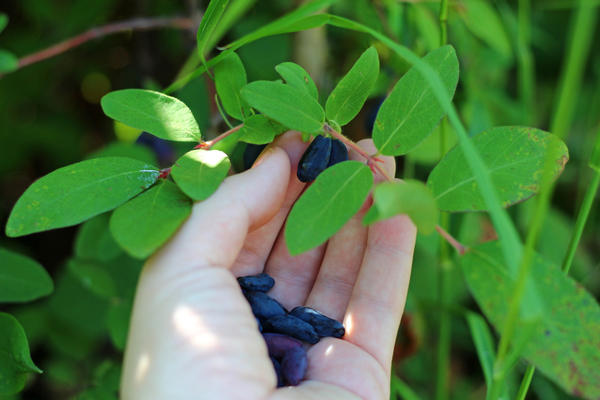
(526, 71)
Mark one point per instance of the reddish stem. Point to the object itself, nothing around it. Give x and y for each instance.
(211, 143)
(371, 160)
(458, 246)
(164, 173)
(133, 24)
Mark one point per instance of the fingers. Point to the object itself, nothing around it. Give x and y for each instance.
(259, 242)
(333, 286)
(217, 227)
(377, 300)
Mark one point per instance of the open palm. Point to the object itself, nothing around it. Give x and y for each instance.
(193, 335)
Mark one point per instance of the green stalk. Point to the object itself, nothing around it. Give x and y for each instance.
(443, 22)
(526, 70)
(583, 24)
(525, 382)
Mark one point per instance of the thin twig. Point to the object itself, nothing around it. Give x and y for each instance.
(458, 246)
(94, 33)
(211, 143)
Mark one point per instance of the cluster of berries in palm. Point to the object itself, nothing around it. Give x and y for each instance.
(285, 331)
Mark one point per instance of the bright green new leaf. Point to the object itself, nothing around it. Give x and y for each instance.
(8, 61)
(117, 322)
(294, 75)
(22, 278)
(564, 345)
(483, 20)
(94, 240)
(209, 22)
(79, 191)
(163, 116)
(285, 104)
(411, 111)
(15, 360)
(3, 21)
(259, 129)
(410, 197)
(145, 222)
(200, 172)
(93, 277)
(333, 198)
(484, 344)
(351, 92)
(515, 158)
(230, 78)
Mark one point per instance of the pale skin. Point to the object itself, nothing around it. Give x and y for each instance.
(193, 335)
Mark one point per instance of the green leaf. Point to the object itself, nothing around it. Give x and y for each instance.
(351, 92)
(333, 198)
(564, 345)
(3, 21)
(515, 158)
(410, 197)
(285, 104)
(144, 223)
(230, 78)
(294, 75)
(117, 322)
(129, 150)
(8, 61)
(411, 111)
(22, 278)
(484, 344)
(93, 277)
(259, 129)
(161, 115)
(15, 360)
(94, 240)
(200, 172)
(79, 191)
(209, 22)
(481, 19)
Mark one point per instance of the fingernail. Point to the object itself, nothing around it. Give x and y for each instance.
(263, 155)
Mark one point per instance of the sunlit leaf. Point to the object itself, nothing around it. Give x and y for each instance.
(74, 193)
(410, 197)
(515, 158)
(15, 360)
(333, 198)
(259, 129)
(296, 76)
(351, 92)
(563, 345)
(200, 172)
(163, 116)
(230, 78)
(22, 278)
(210, 19)
(145, 222)
(411, 111)
(285, 104)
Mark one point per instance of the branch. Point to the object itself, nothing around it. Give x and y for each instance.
(458, 246)
(94, 33)
(208, 145)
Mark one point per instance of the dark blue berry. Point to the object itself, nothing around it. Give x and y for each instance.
(257, 283)
(292, 326)
(324, 326)
(339, 153)
(263, 305)
(315, 159)
(294, 365)
(279, 344)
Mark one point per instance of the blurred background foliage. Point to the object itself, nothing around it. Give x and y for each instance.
(50, 117)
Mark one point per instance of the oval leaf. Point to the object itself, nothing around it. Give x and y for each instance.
(294, 75)
(563, 345)
(74, 193)
(230, 78)
(259, 129)
(144, 223)
(15, 360)
(209, 22)
(163, 116)
(285, 104)
(484, 21)
(515, 158)
(200, 172)
(351, 92)
(94, 240)
(8, 61)
(117, 321)
(410, 197)
(22, 279)
(333, 198)
(3, 21)
(411, 111)
(93, 277)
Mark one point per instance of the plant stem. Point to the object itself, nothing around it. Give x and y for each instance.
(527, 377)
(526, 75)
(101, 31)
(443, 16)
(460, 248)
(211, 143)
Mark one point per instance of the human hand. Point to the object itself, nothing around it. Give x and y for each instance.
(192, 333)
